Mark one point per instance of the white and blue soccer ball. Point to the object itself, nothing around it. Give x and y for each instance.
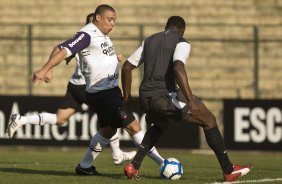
(171, 169)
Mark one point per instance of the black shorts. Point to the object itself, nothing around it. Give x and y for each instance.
(74, 97)
(108, 104)
(165, 108)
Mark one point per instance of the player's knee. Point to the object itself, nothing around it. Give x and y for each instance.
(133, 128)
(61, 121)
(108, 132)
(211, 122)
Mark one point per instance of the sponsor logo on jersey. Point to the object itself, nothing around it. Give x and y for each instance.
(85, 52)
(112, 77)
(77, 40)
(108, 50)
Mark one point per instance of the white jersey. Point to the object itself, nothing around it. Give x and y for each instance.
(98, 60)
(77, 77)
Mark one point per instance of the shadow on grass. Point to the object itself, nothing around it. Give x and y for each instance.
(64, 173)
(33, 171)
(55, 173)
(122, 176)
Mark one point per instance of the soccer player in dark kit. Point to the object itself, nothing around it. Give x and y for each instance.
(163, 55)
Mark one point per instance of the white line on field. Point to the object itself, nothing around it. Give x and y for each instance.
(250, 181)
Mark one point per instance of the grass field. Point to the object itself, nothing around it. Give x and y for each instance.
(57, 166)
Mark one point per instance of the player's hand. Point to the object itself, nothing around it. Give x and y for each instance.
(126, 103)
(48, 76)
(194, 108)
(38, 76)
(119, 57)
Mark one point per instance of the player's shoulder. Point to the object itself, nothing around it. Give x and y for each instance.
(175, 36)
(182, 39)
(91, 29)
(158, 35)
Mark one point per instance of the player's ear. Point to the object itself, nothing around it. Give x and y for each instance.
(98, 17)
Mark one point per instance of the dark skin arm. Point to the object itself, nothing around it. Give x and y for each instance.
(126, 80)
(182, 81)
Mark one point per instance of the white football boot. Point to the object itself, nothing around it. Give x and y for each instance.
(124, 156)
(13, 125)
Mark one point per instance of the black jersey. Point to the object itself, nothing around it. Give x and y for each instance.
(158, 54)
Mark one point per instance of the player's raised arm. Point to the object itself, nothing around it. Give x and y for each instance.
(70, 47)
(41, 75)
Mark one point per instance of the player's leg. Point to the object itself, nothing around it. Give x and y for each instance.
(119, 155)
(146, 147)
(71, 103)
(215, 141)
(137, 136)
(63, 115)
(213, 136)
(67, 107)
(77, 93)
(101, 104)
(16, 121)
(99, 141)
(115, 114)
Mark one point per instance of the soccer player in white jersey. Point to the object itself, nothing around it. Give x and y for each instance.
(74, 98)
(99, 65)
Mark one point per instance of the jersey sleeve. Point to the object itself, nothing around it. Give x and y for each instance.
(135, 58)
(182, 51)
(78, 42)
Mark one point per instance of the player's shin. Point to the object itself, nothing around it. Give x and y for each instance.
(149, 140)
(98, 142)
(114, 143)
(216, 143)
(39, 119)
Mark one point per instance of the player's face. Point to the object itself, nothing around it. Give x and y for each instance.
(106, 21)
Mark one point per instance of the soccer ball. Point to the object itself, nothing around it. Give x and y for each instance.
(171, 169)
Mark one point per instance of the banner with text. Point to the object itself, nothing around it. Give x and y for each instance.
(253, 124)
(81, 125)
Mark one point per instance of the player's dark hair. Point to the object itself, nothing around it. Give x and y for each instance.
(88, 18)
(102, 8)
(176, 21)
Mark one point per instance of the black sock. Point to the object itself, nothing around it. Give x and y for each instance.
(216, 143)
(150, 139)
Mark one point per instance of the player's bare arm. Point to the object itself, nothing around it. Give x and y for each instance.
(182, 81)
(49, 74)
(40, 75)
(119, 57)
(126, 79)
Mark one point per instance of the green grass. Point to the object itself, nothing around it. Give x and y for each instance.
(57, 166)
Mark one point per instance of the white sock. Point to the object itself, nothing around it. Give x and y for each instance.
(97, 143)
(153, 153)
(39, 119)
(114, 143)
